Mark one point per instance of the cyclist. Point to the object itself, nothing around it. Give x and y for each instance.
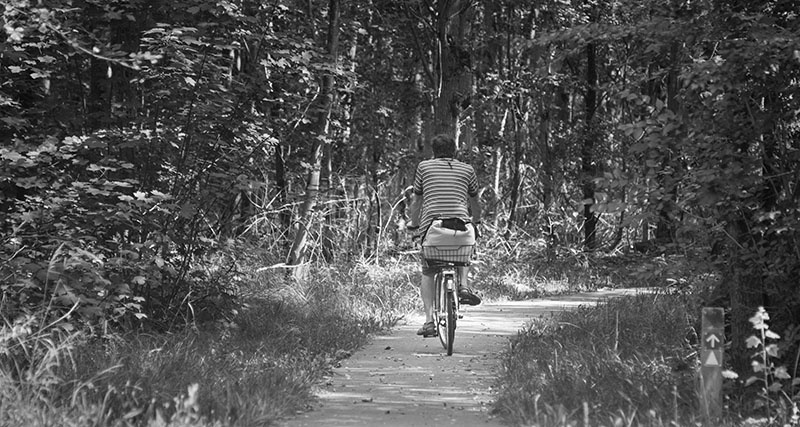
(445, 188)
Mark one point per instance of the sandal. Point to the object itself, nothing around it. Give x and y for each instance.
(427, 330)
(466, 296)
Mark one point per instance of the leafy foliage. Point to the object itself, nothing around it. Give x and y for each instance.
(134, 206)
(146, 147)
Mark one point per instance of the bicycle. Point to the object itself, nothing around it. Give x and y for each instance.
(447, 281)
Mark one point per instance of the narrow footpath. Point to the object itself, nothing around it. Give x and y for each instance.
(400, 379)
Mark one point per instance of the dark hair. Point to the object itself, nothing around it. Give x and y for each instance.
(443, 145)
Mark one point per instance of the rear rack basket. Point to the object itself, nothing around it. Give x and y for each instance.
(458, 254)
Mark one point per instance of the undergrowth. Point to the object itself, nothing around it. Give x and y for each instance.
(629, 358)
(250, 367)
(259, 357)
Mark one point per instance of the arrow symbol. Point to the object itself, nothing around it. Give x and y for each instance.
(712, 340)
(712, 359)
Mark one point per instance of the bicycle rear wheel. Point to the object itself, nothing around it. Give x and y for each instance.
(440, 310)
(446, 312)
(451, 321)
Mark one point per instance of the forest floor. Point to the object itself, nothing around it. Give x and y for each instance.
(401, 379)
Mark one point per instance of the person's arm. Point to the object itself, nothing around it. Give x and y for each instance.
(475, 209)
(414, 211)
(474, 198)
(415, 208)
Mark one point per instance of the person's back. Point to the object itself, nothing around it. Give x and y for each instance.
(445, 185)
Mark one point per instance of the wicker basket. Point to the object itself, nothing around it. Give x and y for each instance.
(458, 255)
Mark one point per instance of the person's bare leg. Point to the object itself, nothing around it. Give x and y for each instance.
(467, 296)
(426, 291)
(463, 272)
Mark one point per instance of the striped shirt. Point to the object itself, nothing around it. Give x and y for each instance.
(445, 185)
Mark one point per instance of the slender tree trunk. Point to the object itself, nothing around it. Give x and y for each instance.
(99, 103)
(281, 187)
(547, 173)
(417, 141)
(375, 218)
(297, 253)
(665, 227)
(499, 161)
(743, 291)
(496, 188)
(494, 50)
(587, 151)
(516, 176)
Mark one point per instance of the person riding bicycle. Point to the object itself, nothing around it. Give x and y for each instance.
(443, 188)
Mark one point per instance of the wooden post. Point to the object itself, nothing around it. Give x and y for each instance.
(711, 354)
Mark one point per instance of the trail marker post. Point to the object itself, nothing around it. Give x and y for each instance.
(711, 353)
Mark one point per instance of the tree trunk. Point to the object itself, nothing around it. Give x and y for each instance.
(99, 103)
(454, 74)
(497, 198)
(516, 177)
(587, 151)
(665, 227)
(743, 290)
(547, 173)
(375, 218)
(297, 253)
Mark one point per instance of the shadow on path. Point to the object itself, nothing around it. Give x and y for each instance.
(401, 379)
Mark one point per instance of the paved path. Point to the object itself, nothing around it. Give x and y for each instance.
(401, 379)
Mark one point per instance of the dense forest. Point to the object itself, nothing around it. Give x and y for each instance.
(144, 141)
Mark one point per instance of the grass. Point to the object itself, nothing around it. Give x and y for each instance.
(251, 369)
(504, 277)
(530, 272)
(627, 362)
(625, 358)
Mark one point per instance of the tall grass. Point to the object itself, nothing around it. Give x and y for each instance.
(528, 271)
(628, 361)
(249, 369)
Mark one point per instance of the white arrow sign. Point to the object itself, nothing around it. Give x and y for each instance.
(712, 340)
